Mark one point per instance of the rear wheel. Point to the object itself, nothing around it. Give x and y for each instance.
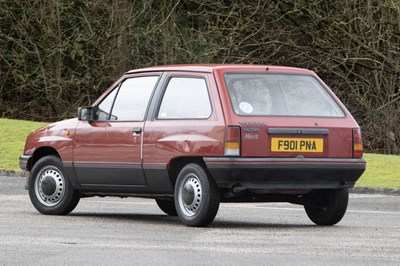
(167, 206)
(326, 206)
(50, 190)
(196, 196)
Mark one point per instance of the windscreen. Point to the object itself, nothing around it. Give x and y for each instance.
(265, 94)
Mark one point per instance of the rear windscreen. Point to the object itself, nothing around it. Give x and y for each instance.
(262, 94)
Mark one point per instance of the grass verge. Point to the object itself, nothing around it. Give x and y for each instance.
(13, 134)
(383, 171)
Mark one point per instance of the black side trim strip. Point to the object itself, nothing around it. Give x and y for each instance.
(298, 131)
(284, 160)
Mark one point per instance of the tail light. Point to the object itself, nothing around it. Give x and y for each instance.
(358, 149)
(232, 141)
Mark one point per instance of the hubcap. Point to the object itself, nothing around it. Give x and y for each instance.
(50, 186)
(190, 195)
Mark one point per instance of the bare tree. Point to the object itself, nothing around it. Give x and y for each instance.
(57, 55)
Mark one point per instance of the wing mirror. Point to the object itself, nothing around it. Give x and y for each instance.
(85, 113)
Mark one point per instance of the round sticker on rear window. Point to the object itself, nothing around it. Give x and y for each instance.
(246, 107)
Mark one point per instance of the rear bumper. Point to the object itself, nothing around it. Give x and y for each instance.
(286, 173)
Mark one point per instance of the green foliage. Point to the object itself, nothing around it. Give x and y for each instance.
(57, 55)
(13, 134)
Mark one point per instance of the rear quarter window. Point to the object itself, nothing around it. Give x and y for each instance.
(185, 98)
(265, 94)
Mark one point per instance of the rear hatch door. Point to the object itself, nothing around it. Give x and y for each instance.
(288, 115)
(291, 137)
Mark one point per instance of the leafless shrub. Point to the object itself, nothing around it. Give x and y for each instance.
(57, 55)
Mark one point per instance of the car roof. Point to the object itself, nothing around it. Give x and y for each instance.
(209, 68)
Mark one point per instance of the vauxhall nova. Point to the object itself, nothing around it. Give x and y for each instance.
(192, 136)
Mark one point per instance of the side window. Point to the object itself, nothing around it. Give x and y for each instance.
(131, 100)
(104, 108)
(185, 98)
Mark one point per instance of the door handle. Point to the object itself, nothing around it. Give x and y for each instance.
(137, 130)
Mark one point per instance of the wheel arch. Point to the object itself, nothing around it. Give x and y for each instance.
(40, 153)
(176, 165)
(50, 151)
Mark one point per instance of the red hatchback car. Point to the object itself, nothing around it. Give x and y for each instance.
(192, 136)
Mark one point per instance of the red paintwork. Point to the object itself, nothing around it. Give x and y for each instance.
(163, 140)
(55, 136)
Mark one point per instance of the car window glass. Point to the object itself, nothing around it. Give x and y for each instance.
(104, 108)
(133, 98)
(185, 98)
(257, 94)
(306, 98)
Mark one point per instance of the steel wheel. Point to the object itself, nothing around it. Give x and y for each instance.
(196, 196)
(50, 190)
(49, 186)
(190, 195)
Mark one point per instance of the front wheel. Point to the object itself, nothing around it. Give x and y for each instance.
(50, 190)
(167, 206)
(196, 196)
(326, 206)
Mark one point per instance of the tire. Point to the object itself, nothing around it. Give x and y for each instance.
(167, 206)
(326, 206)
(50, 190)
(196, 196)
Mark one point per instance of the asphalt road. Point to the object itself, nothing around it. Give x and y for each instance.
(113, 231)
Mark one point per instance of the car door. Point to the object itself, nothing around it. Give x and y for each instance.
(108, 151)
(185, 124)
